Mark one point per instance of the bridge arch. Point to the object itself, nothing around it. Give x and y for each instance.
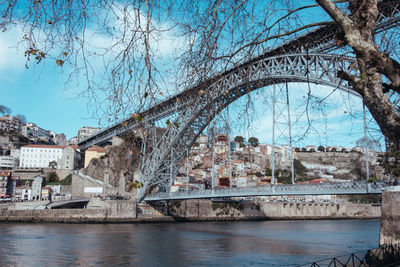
(163, 163)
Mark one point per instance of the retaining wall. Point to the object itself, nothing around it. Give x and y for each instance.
(390, 221)
(192, 210)
(207, 210)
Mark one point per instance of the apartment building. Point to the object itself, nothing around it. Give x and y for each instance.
(87, 131)
(8, 162)
(33, 131)
(39, 156)
(7, 184)
(10, 124)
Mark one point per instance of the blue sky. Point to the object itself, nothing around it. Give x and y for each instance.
(39, 94)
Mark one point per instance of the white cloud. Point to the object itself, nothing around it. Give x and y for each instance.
(341, 124)
(10, 57)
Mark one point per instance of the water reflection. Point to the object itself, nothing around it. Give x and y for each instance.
(195, 244)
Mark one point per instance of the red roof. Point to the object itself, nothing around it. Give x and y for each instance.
(45, 146)
(97, 148)
(51, 146)
(317, 181)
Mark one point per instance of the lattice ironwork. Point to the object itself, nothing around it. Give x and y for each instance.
(348, 188)
(197, 106)
(317, 41)
(209, 101)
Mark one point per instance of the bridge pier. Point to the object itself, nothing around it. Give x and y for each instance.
(390, 220)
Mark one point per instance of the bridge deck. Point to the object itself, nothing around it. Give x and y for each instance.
(349, 188)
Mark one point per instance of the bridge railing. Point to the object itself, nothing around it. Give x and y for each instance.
(346, 188)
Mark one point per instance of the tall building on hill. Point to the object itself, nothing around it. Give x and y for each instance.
(87, 131)
(73, 141)
(61, 139)
(10, 124)
(33, 131)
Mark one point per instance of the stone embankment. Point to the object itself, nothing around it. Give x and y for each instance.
(192, 210)
(390, 221)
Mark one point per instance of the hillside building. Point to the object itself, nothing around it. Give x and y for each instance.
(31, 130)
(10, 124)
(23, 193)
(7, 184)
(92, 153)
(39, 156)
(37, 188)
(86, 132)
(8, 162)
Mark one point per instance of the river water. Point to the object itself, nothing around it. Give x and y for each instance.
(254, 243)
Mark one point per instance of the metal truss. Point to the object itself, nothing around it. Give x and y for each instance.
(197, 106)
(347, 188)
(163, 163)
(317, 41)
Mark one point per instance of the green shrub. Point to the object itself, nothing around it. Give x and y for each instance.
(67, 180)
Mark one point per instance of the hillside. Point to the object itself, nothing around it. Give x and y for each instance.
(338, 165)
(120, 160)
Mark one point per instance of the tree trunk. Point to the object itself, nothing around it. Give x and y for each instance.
(358, 31)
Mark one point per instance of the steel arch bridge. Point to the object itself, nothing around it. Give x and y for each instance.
(197, 106)
(162, 164)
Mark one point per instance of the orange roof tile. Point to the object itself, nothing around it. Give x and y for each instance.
(318, 181)
(45, 146)
(97, 148)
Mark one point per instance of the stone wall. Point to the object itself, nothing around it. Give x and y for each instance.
(112, 211)
(78, 185)
(390, 221)
(191, 210)
(29, 174)
(208, 210)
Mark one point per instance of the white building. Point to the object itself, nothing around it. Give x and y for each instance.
(16, 153)
(202, 140)
(39, 156)
(73, 140)
(8, 162)
(37, 188)
(23, 193)
(86, 132)
(32, 130)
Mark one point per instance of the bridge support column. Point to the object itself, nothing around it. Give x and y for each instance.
(281, 127)
(365, 143)
(390, 220)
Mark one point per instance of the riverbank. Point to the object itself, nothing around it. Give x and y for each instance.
(193, 211)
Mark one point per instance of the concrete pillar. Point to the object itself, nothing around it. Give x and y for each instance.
(390, 220)
(106, 182)
(121, 184)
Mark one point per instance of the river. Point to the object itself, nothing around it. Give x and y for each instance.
(254, 243)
